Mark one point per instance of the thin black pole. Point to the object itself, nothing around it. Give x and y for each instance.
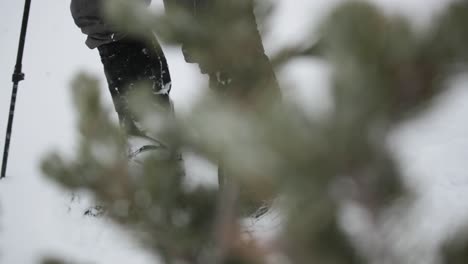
(18, 76)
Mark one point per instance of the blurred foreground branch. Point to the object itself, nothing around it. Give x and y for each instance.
(383, 74)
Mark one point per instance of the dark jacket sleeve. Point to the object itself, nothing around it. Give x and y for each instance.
(88, 16)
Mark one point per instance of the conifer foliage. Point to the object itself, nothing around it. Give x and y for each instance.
(384, 73)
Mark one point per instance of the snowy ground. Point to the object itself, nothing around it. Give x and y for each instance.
(35, 218)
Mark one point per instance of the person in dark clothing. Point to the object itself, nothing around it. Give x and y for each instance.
(228, 47)
(127, 62)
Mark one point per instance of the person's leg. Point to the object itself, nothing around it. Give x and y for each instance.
(241, 70)
(234, 59)
(128, 63)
